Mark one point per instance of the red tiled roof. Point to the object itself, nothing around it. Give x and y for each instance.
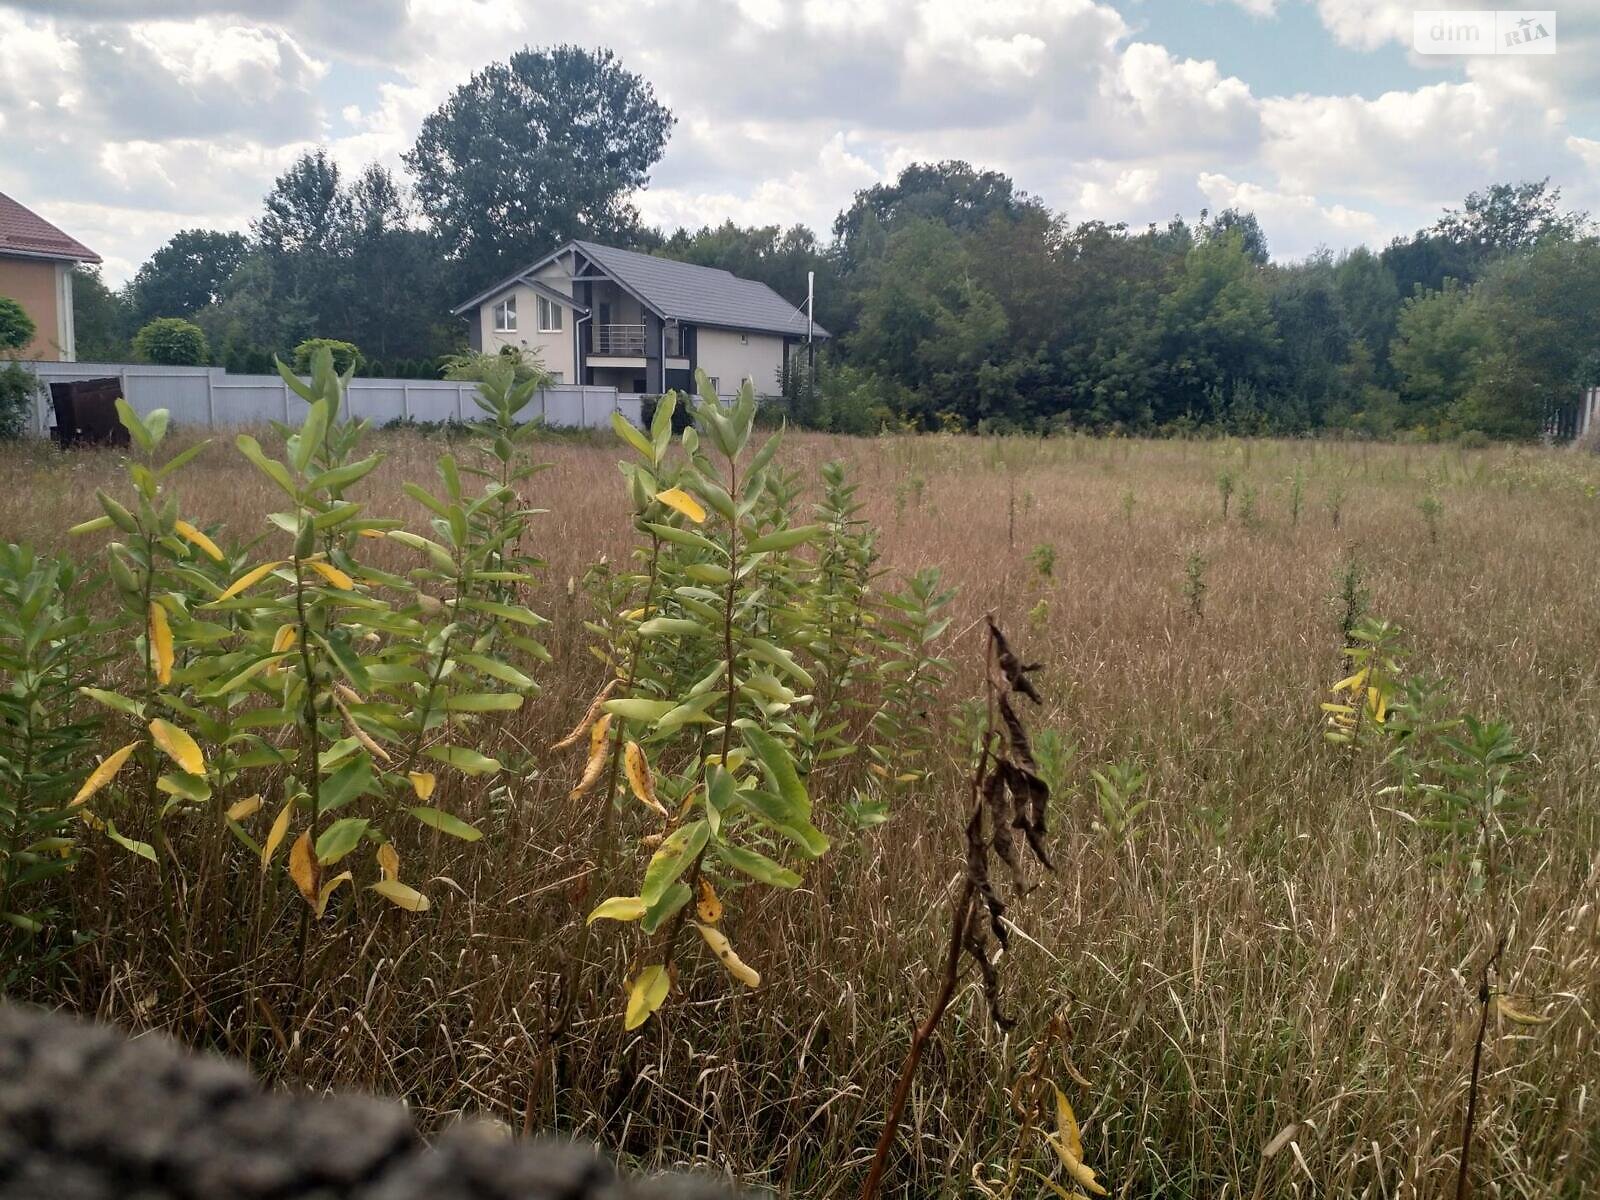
(23, 231)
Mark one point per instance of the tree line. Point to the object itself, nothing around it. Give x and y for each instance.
(956, 299)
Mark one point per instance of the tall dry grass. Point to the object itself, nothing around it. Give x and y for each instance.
(1277, 946)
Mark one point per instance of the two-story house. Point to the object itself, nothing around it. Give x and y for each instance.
(36, 262)
(602, 316)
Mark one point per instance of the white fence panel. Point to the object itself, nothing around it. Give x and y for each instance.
(211, 398)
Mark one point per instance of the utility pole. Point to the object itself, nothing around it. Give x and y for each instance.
(811, 343)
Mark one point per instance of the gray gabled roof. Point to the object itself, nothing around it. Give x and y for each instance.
(700, 295)
(682, 291)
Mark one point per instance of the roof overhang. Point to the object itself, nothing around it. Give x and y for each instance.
(48, 255)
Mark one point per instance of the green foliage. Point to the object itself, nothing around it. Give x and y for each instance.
(1118, 791)
(484, 161)
(1431, 511)
(16, 326)
(1225, 489)
(172, 341)
(187, 273)
(741, 805)
(523, 362)
(347, 357)
(18, 387)
(44, 734)
(1194, 583)
(906, 729)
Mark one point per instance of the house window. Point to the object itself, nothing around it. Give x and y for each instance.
(744, 339)
(716, 385)
(505, 315)
(549, 316)
(674, 341)
(557, 378)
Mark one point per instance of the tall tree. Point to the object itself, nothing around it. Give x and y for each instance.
(1508, 217)
(1440, 340)
(391, 274)
(777, 257)
(187, 273)
(953, 194)
(533, 152)
(101, 319)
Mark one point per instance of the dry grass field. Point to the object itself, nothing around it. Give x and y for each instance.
(1273, 944)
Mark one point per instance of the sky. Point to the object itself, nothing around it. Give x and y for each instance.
(124, 121)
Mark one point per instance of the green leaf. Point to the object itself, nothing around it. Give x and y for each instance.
(495, 669)
(114, 700)
(445, 823)
(481, 702)
(645, 711)
(336, 478)
(344, 785)
(685, 537)
(785, 539)
(779, 767)
(340, 838)
(136, 429)
(312, 431)
(674, 898)
(469, 762)
(677, 626)
(270, 467)
(142, 849)
(632, 436)
(672, 858)
(189, 787)
(758, 866)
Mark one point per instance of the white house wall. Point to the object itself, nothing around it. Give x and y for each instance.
(555, 349)
(722, 355)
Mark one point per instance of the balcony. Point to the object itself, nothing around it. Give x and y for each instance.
(617, 341)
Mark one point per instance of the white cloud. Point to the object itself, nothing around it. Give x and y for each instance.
(139, 117)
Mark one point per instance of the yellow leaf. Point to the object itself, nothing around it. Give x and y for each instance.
(589, 715)
(708, 906)
(723, 949)
(597, 757)
(389, 861)
(329, 888)
(284, 639)
(160, 634)
(422, 783)
(275, 835)
(192, 535)
(1082, 1174)
(104, 773)
(303, 867)
(333, 575)
(637, 767)
(681, 501)
(250, 578)
(1509, 1010)
(1353, 683)
(398, 893)
(248, 807)
(178, 746)
(1067, 1125)
(618, 908)
(360, 734)
(646, 994)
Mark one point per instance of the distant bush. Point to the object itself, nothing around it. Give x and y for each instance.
(345, 354)
(16, 326)
(17, 386)
(173, 342)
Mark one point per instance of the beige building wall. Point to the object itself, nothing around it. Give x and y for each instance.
(555, 349)
(730, 357)
(44, 289)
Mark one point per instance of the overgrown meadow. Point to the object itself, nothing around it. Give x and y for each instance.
(635, 804)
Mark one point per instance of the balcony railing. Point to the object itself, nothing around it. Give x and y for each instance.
(618, 341)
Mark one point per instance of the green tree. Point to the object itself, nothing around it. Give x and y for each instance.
(16, 326)
(927, 323)
(1369, 299)
(100, 317)
(1543, 351)
(186, 274)
(533, 152)
(775, 256)
(1510, 217)
(1217, 330)
(172, 341)
(1439, 343)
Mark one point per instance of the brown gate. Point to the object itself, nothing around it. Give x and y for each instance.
(86, 411)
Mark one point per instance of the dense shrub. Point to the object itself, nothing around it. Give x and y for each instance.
(17, 386)
(172, 341)
(16, 326)
(345, 354)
